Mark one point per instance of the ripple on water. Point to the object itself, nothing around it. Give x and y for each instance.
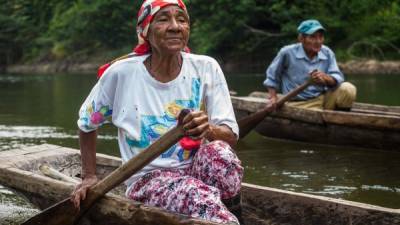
(13, 208)
(299, 175)
(12, 79)
(304, 151)
(24, 136)
(329, 190)
(40, 132)
(380, 188)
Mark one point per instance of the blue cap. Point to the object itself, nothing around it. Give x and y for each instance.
(309, 27)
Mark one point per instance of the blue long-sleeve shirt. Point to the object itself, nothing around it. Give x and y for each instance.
(291, 68)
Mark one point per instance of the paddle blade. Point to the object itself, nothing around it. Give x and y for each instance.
(247, 123)
(62, 213)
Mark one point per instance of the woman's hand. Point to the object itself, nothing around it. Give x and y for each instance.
(81, 189)
(196, 124)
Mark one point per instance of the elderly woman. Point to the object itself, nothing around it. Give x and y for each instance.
(142, 95)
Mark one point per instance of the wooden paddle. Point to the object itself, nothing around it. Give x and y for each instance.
(65, 213)
(249, 122)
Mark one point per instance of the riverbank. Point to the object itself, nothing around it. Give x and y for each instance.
(53, 67)
(364, 67)
(370, 67)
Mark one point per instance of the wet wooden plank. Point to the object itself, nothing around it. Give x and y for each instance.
(356, 105)
(251, 104)
(372, 121)
(285, 207)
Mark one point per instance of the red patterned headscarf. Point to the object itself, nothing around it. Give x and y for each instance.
(145, 15)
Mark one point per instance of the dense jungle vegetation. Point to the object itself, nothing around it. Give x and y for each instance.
(249, 30)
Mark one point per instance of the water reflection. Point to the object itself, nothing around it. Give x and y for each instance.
(332, 190)
(337, 172)
(376, 89)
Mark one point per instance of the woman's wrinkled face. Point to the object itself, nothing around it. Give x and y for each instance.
(169, 30)
(312, 43)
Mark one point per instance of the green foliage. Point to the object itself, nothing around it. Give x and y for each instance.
(377, 33)
(76, 29)
(362, 28)
(217, 23)
(10, 48)
(87, 26)
(17, 28)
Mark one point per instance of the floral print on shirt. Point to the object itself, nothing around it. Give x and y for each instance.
(92, 117)
(152, 127)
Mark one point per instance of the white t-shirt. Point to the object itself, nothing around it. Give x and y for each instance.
(143, 108)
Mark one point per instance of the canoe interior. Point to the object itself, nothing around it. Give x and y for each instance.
(19, 170)
(366, 126)
(262, 205)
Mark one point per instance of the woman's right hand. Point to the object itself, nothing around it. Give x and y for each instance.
(81, 189)
(196, 125)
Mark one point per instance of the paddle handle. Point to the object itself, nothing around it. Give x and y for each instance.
(293, 93)
(132, 166)
(249, 122)
(64, 212)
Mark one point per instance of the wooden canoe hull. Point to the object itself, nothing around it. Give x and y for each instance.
(262, 205)
(368, 126)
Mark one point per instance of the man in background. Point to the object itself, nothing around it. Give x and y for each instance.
(309, 58)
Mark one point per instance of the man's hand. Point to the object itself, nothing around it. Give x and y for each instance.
(272, 103)
(272, 100)
(81, 189)
(321, 78)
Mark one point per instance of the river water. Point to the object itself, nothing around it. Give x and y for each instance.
(37, 109)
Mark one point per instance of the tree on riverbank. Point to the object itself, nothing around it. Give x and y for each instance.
(36, 30)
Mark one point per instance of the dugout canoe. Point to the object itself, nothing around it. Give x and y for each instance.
(19, 170)
(366, 125)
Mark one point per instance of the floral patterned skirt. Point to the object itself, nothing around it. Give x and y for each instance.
(216, 173)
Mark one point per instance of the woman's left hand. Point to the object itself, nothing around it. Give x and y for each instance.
(196, 124)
